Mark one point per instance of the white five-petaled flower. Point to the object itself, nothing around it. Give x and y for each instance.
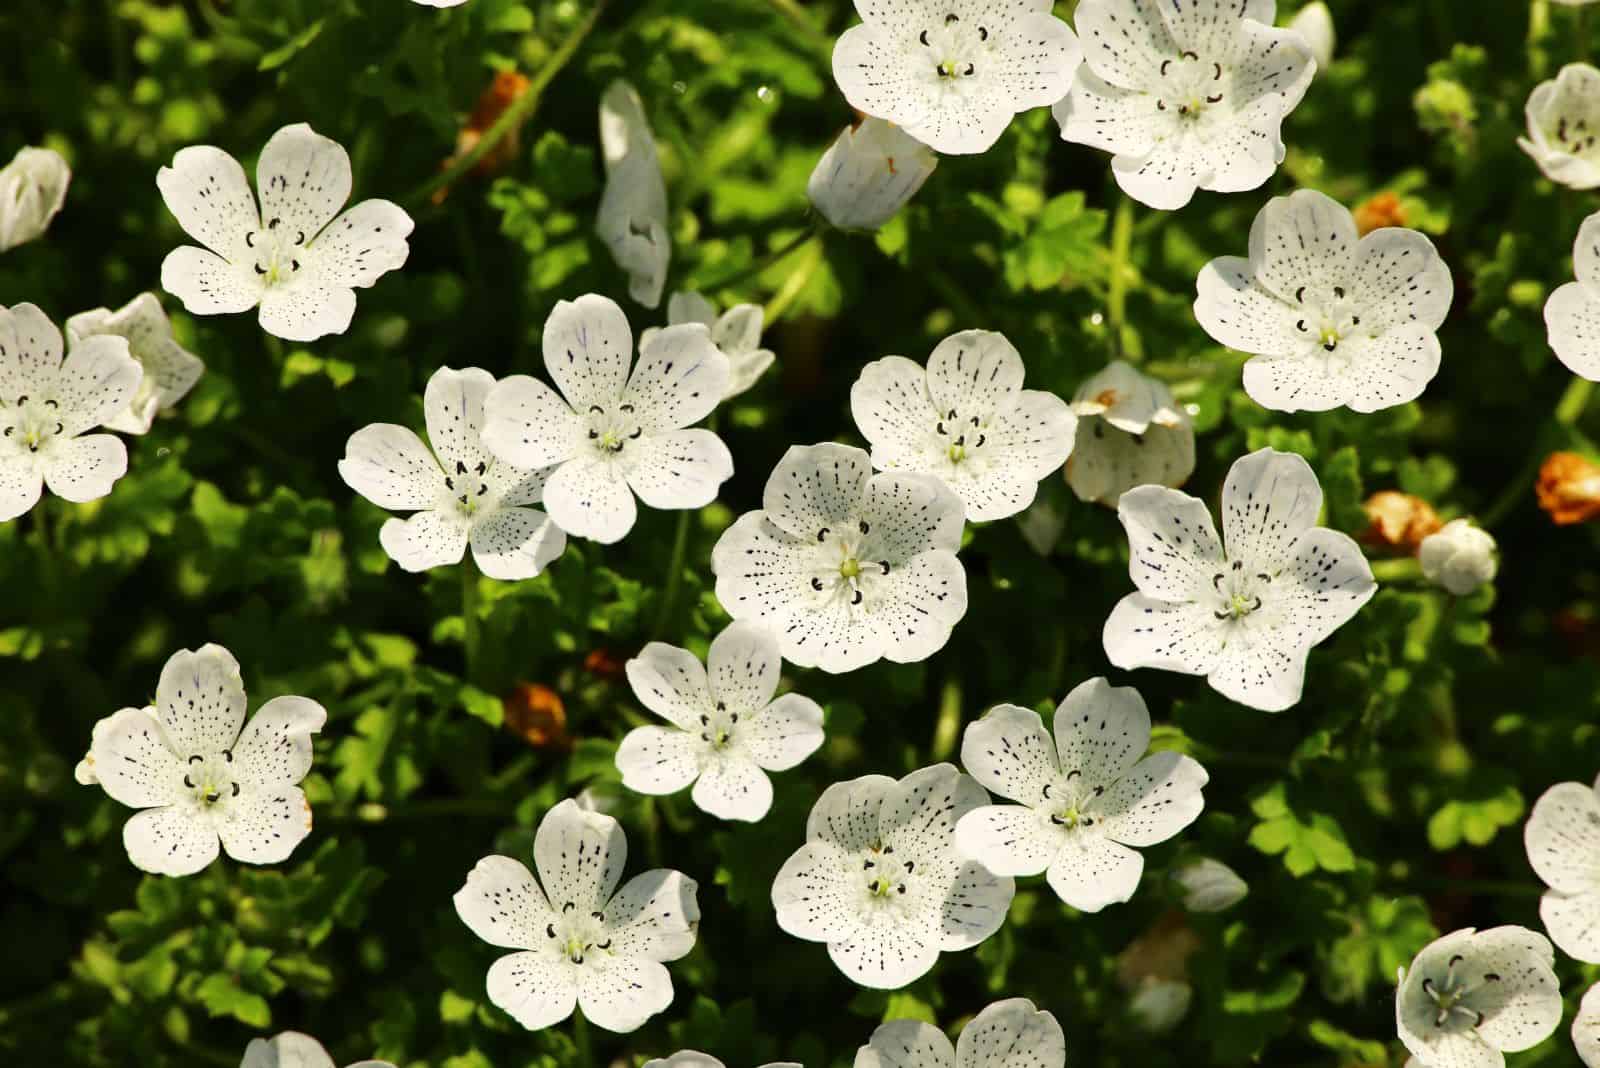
(291, 1049)
(1459, 557)
(736, 333)
(1563, 842)
(1471, 997)
(1247, 617)
(296, 255)
(845, 566)
(881, 881)
(689, 1058)
(1083, 798)
(580, 942)
(1131, 432)
(46, 405)
(966, 420)
(868, 174)
(462, 495)
(952, 73)
(1007, 1034)
(726, 730)
(608, 434)
(1187, 94)
(170, 370)
(1572, 314)
(1331, 317)
(1564, 127)
(633, 208)
(33, 187)
(1586, 1028)
(200, 773)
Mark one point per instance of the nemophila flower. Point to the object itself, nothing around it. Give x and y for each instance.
(296, 255)
(1564, 125)
(1568, 488)
(1572, 314)
(1586, 1028)
(47, 404)
(292, 1049)
(200, 773)
(581, 942)
(1473, 996)
(736, 333)
(33, 187)
(1245, 617)
(1562, 837)
(633, 208)
(461, 493)
(726, 730)
(1131, 432)
(1083, 798)
(880, 879)
(952, 73)
(1209, 885)
(1007, 1034)
(608, 434)
(1314, 23)
(868, 174)
(689, 1058)
(1331, 318)
(845, 566)
(966, 420)
(170, 370)
(1459, 556)
(1186, 95)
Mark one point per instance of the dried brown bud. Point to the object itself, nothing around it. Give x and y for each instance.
(502, 92)
(535, 713)
(1569, 488)
(603, 662)
(1379, 210)
(1399, 521)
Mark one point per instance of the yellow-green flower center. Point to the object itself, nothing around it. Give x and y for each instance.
(850, 568)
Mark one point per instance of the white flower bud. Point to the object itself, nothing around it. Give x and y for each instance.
(1460, 557)
(1314, 22)
(33, 186)
(1209, 885)
(1160, 1004)
(868, 174)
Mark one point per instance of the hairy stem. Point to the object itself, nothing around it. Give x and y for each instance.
(669, 596)
(744, 274)
(471, 625)
(1117, 280)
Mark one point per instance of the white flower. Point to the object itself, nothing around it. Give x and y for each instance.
(33, 186)
(1459, 556)
(1209, 885)
(1007, 1034)
(1159, 1005)
(868, 174)
(952, 73)
(633, 209)
(1563, 124)
(1572, 314)
(1470, 998)
(1586, 1028)
(170, 370)
(610, 435)
(845, 566)
(198, 777)
(1083, 798)
(1332, 318)
(1563, 842)
(689, 1058)
(296, 256)
(726, 727)
(880, 879)
(1131, 432)
(736, 334)
(1314, 22)
(1248, 617)
(1186, 95)
(440, 3)
(461, 494)
(291, 1049)
(966, 420)
(46, 405)
(580, 941)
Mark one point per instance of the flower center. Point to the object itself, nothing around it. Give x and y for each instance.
(850, 568)
(963, 437)
(1328, 317)
(957, 51)
(846, 567)
(887, 876)
(575, 936)
(717, 730)
(469, 487)
(1574, 137)
(31, 422)
(1189, 85)
(1449, 996)
(1069, 804)
(611, 431)
(1237, 590)
(210, 780)
(278, 251)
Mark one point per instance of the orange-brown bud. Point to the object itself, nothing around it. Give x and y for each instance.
(603, 662)
(1162, 952)
(1399, 521)
(1569, 488)
(502, 92)
(535, 713)
(1379, 210)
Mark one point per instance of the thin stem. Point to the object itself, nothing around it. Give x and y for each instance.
(669, 596)
(41, 527)
(514, 116)
(1405, 569)
(793, 286)
(792, 11)
(948, 726)
(1117, 279)
(1569, 409)
(1574, 401)
(471, 625)
(580, 1038)
(50, 997)
(771, 258)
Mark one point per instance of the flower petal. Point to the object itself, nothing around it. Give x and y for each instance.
(133, 760)
(816, 487)
(85, 469)
(588, 497)
(391, 467)
(516, 543)
(975, 906)
(30, 353)
(1157, 799)
(275, 748)
(847, 813)
(733, 788)
(784, 734)
(743, 666)
(1107, 462)
(1269, 498)
(580, 856)
(654, 916)
(872, 72)
(671, 682)
(1562, 838)
(206, 191)
(919, 815)
(1259, 671)
(1034, 59)
(526, 423)
(1586, 251)
(427, 540)
(533, 990)
(977, 373)
(1009, 839)
(1035, 437)
(1124, 41)
(20, 486)
(918, 606)
(659, 760)
(679, 468)
(1573, 921)
(1010, 753)
(738, 329)
(1586, 1028)
(762, 572)
(207, 284)
(588, 347)
(904, 515)
(306, 310)
(1306, 241)
(361, 246)
(1298, 383)
(501, 904)
(892, 409)
(1213, 26)
(169, 841)
(289, 1050)
(452, 404)
(1401, 278)
(1144, 632)
(745, 370)
(1173, 552)
(691, 308)
(623, 992)
(1572, 319)
(170, 371)
(1098, 113)
(262, 826)
(97, 381)
(811, 896)
(632, 220)
(906, 1044)
(1101, 732)
(1092, 872)
(827, 632)
(200, 701)
(1523, 1006)
(1325, 583)
(680, 378)
(1241, 313)
(886, 954)
(1012, 1034)
(304, 179)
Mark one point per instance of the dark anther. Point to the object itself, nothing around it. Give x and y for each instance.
(1491, 977)
(981, 439)
(483, 489)
(1338, 291)
(578, 959)
(983, 33)
(885, 565)
(550, 929)
(197, 756)
(1098, 790)
(1088, 821)
(568, 907)
(923, 37)
(1073, 772)
(1165, 63)
(970, 69)
(1300, 325)
(482, 468)
(1214, 99)
(260, 269)
(1355, 320)
(1257, 606)
(235, 789)
(1161, 105)
(857, 598)
(273, 224)
(1047, 791)
(1330, 345)
(599, 916)
(868, 865)
(301, 239)
(722, 706)
(911, 866)
(1263, 576)
(822, 535)
(705, 720)
(1216, 581)
(635, 435)
(1457, 959)
(816, 584)
(1479, 1021)
(1217, 77)
(606, 944)
(1220, 615)
(250, 240)
(1057, 820)
(22, 399)
(733, 720)
(940, 428)
(227, 754)
(592, 435)
(9, 429)
(952, 17)
(597, 408)
(1183, 109)
(1300, 295)
(627, 408)
(1238, 565)
(212, 798)
(951, 415)
(187, 783)
(294, 265)
(461, 468)
(1427, 987)
(59, 428)
(974, 420)
(901, 888)
(864, 526)
(1190, 55)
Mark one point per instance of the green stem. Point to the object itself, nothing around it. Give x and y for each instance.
(514, 116)
(580, 1038)
(793, 287)
(746, 273)
(1405, 569)
(1574, 401)
(669, 596)
(1569, 409)
(471, 625)
(42, 1001)
(948, 726)
(792, 11)
(1117, 279)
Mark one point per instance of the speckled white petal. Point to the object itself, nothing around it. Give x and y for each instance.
(1373, 373)
(976, 372)
(1586, 1028)
(1304, 241)
(1035, 57)
(1107, 462)
(170, 371)
(1012, 1034)
(1009, 839)
(391, 467)
(811, 896)
(623, 992)
(1241, 313)
(762, 572)
(97, 381)
(1242, 155)
(1101, 731)
(1572, 319)
(169, 841)
(733, 788)
(1586, 251)
(680, 378)
(588, 497)
(890, 404)
(133, 760)
(304, 179)
(262, 826)
(828, 633)
(687, 1058)
(580, 856)
(85, 469)
(207, 284)
(975, 905)
(588, 347)
(1460, 1049)
(1573, 921)
(1154, 801)
(659, 760)
(632, 219)
(906, 1044)
(847, 812)
(654, 916)
(743, 665)
(815, 487)
(870, 68)
(1100, 114)
(1124, 41)
(886, 955)
(923, 601)
(671, 682)
(1324, 584)
(452, 405)
(1173, 551)
(1259, 671)
(501, 904)
(361, 246)
(20, 486)
(679, 468)
(288, 1050)
(788, 731)
(1166, 177)
(516, 487)
(275, 748)
(1400, 278)
(30, 352)
(908, 514)
(207, 192)
(426, 540)
(306, 310)
(1524, 1006)
(1091, 872)
(1035, 437)
(1212, 26)
(1269, 498)
(536, 991)
(1300, 383)
(200, 700)
(1144, 632)
(526, 423)
(1562, 838)
(868, 174)
(1009, 752)
(919, 814)
(516, 543)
